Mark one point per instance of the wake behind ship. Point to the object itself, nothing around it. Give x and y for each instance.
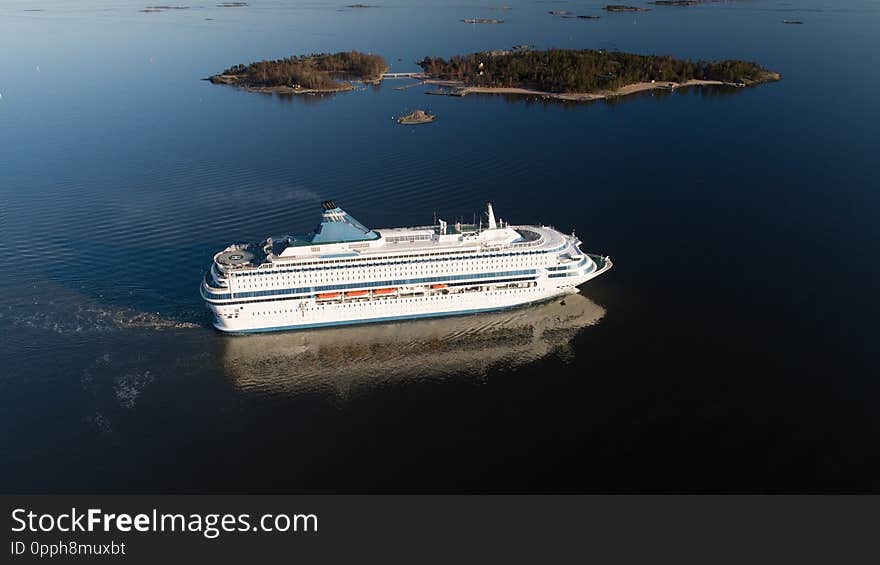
(345, 273)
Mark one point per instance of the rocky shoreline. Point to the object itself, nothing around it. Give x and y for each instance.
(459, 89)
(239, 82)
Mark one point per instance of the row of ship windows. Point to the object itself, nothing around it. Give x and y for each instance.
(357, 275)
(580, 263)
(374, 303)
(399, 238)
(440, 257)
(573, 273)
(227, 296)
(398, 282)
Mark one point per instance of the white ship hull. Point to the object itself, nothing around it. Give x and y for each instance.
(311, 313)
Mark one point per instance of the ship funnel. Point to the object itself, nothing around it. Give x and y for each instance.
(337, 226)
(492, 224)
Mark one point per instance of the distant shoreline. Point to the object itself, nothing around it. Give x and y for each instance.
(626, 90)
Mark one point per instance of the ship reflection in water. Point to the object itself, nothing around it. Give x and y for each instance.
(341, 360)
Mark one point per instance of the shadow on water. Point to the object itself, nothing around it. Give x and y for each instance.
(342, 360)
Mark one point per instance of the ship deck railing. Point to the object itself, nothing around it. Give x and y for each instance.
(274, 261)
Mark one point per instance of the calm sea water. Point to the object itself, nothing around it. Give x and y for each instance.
(732, 347)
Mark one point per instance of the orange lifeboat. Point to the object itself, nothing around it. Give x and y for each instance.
(357, 293)
(438, 286)
(329, 296)
(383, 291)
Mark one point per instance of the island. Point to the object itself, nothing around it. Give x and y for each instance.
(582, 75)
(683, 3)
(416, 117)
(307, 74)
(622, 8)
(482, 21)
(155, 9)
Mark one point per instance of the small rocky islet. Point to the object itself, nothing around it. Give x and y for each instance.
(416, 117)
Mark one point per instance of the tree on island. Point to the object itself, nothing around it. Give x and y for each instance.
(313, 72)
(569, 70)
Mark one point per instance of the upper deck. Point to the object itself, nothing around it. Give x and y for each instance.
(441, 239)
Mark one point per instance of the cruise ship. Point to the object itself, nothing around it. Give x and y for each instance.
(345, 273)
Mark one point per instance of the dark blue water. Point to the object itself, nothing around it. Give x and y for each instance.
(732, 347)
